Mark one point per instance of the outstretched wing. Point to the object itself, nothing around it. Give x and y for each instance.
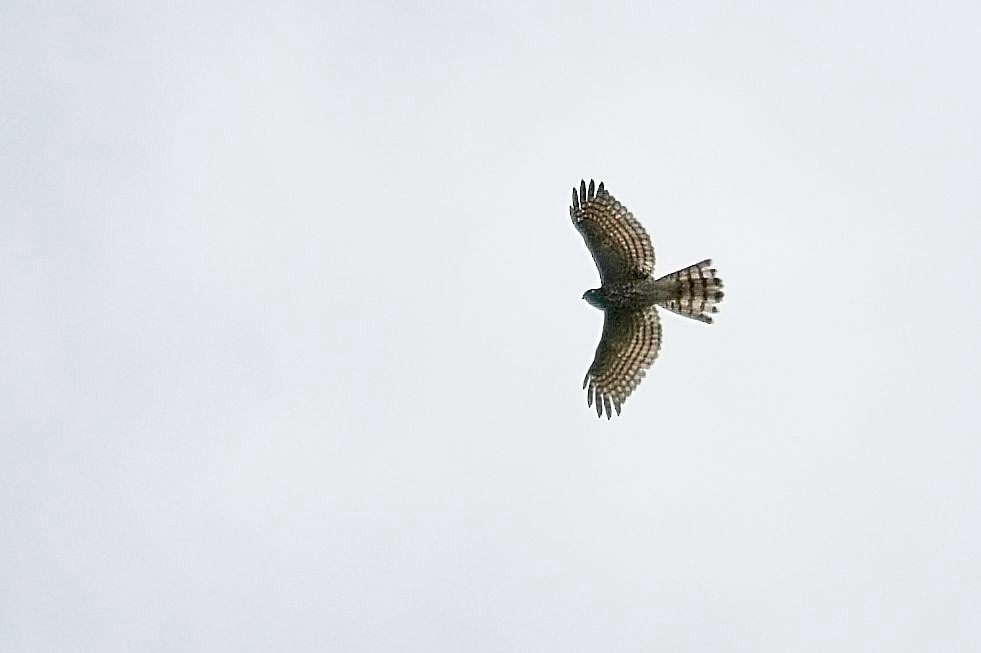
(630, 342)
(619, 245)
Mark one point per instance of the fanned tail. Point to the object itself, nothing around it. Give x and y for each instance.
(693, 291)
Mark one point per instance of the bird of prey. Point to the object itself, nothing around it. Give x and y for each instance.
(629, 294)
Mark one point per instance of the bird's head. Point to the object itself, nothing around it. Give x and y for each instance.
(593, 297)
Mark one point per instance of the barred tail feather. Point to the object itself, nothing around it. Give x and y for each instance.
(693, 291)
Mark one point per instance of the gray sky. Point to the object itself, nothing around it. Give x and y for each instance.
(291, 337)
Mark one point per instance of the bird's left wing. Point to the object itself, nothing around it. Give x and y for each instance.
(629, 345)
(619, 244)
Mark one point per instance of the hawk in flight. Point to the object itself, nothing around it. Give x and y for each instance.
(629, 294)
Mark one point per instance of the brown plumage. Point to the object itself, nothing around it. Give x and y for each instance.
(628, 295)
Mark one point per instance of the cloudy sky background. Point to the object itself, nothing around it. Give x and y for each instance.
(291, 338)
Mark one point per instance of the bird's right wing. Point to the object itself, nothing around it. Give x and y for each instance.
(620, 246)
(629, 345)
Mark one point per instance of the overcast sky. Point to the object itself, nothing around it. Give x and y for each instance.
(292, 344)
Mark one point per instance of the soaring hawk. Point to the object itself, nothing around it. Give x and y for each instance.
(629, 294)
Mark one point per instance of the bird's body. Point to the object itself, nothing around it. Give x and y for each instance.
(629, 295)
